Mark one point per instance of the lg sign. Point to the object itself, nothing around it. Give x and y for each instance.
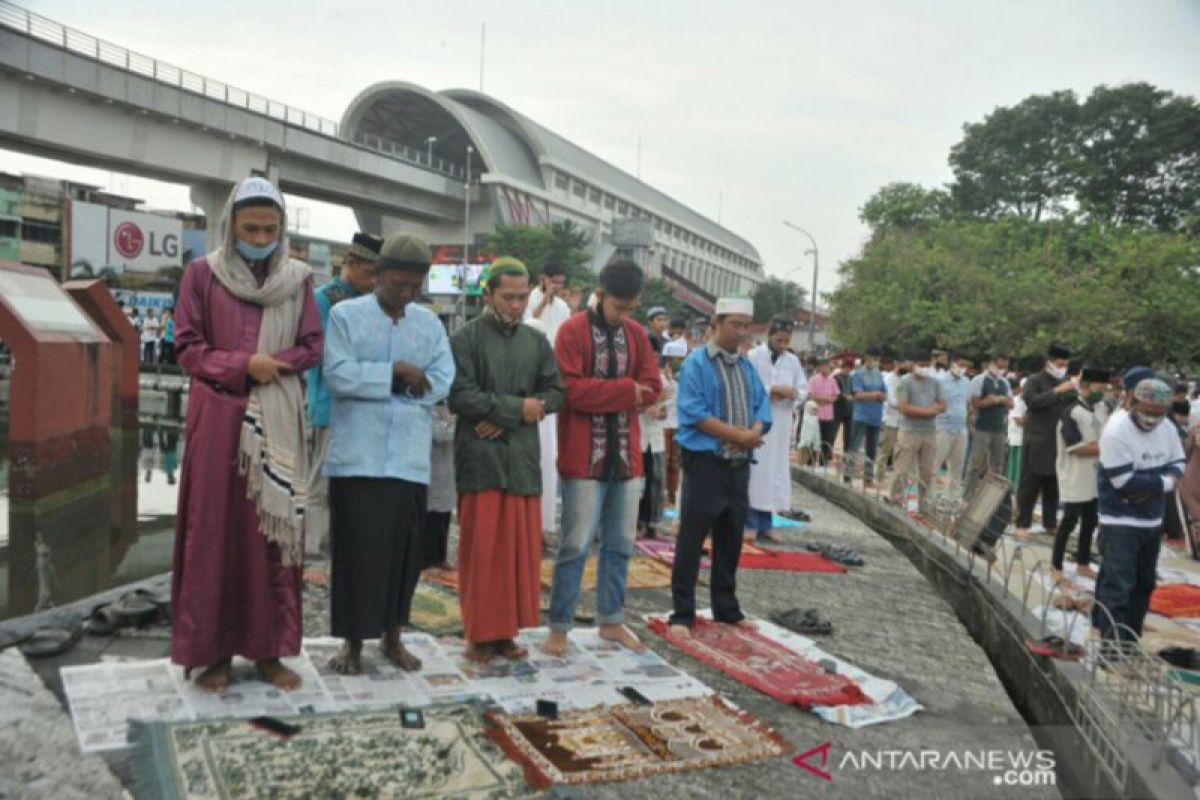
(130, 240)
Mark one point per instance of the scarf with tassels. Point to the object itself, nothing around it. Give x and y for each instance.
(271, 450)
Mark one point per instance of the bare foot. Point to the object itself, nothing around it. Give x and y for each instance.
(680, 631)
(748, 624)
(1022, 534)
(1060, 580)
(349, 660)
(507, 648)
(274, 672)
(480, 652)
(770, 537)
(1084, 571)
(215, 679)
(555, 644)
(393, 650)
(316, 576)
(622, 636)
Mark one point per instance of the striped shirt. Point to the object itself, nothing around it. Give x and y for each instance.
(1136, 469)
(735, 400)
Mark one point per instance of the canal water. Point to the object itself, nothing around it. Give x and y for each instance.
(108, 533)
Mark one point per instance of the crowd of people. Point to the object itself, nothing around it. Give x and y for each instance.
(347, 419)
(1107, 449)
(156, 332)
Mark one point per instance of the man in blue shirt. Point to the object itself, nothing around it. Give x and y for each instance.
(387, 363)
(868, 392)
(723, 411)
(357, 276)
(952, 423)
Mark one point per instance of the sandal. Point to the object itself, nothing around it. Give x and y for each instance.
(1055, 647)
(51, 641)
(806, 621)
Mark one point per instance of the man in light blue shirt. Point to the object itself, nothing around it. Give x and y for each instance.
(387, 363)
(357, 276)
(952, 423)
(868, 392)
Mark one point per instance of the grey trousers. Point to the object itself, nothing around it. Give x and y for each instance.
(989, 450)
(316, 511)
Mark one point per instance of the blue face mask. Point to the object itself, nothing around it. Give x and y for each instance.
(252, 253)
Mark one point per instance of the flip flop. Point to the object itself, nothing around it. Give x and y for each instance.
(103, 621)
(50, 641)
(1055, 647)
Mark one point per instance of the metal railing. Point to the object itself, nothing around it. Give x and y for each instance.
(1123, 690)
(83, 44)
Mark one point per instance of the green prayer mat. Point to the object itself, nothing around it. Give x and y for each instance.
(435, 611)
(356, 754)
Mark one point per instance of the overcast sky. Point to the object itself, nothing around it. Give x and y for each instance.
(789, 110)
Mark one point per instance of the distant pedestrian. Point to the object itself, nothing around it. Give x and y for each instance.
(166, 354)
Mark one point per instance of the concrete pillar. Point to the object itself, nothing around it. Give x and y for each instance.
(211, 197)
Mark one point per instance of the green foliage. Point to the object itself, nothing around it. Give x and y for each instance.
(1115, 296)
(905, 206)
(776, 297)
(562, 241)
(658, 293)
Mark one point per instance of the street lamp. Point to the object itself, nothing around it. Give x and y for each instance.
(430, 141)
(462, 298)
(812, 317)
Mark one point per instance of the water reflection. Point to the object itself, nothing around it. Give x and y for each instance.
(109, 533)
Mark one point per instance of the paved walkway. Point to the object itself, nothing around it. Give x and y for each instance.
(888, 620)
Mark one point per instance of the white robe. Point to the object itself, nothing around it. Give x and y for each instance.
(770, 475)
(552, 317)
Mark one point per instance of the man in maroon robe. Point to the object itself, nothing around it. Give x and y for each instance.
(246, 329)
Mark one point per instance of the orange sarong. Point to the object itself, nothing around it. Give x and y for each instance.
(499, 563)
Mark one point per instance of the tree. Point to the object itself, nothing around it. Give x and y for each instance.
(904, 206)
(776, 297)
(563, 241)
(659, 293)
(1020, 160)
(1140, 160)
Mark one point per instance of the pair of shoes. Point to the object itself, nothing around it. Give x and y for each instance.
(1055, 647)
(798, 515)
(836, 552)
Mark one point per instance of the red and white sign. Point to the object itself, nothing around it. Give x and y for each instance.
(112, 238)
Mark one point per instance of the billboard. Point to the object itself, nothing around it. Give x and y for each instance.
(124, 241)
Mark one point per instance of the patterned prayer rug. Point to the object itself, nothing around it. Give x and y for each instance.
(747, 549)
(629, 741)
(367, 754)
(1176, 600)
(765, 664)
(644, 573)
(789, 561)
(436, 611)
(446, 578)
(664, 551)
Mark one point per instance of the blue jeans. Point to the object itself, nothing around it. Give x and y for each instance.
(860, 433)
(1126, 579)
(589, 506)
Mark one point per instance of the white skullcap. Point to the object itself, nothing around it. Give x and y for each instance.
(676, 348)
(735, 305)
(256, 187)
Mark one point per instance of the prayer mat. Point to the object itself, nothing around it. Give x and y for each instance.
(446, 578)
(779, 522)
(644, 573)
(747, 548)
(765, 664)
(626, 742)
(788, 561)
(664, 551)
(435, 611)
(1176, 600)
(362, 754)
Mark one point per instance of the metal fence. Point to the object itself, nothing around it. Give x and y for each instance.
(47, 30)
(1127, 691)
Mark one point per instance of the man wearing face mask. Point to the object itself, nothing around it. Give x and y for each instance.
(610, 373)
(1048, 394)
(357, 277)
(868, 393)
(246, 329)
(991, 397)
(1078, 451)
(952, 423)
(506, 381)
(920, 398)
(1141, 460)
(387, 363)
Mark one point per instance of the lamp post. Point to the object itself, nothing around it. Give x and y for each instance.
(462, 298)
(812, 316)
(429, 150)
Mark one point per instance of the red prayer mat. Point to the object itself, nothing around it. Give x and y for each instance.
(664, 551)
(789, 561)
(1176, 600)
(765, 664)
(446, 578)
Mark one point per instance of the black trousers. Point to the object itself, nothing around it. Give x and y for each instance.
(716, 499)
(376, 529)
(437, 537)
(829, 429)
(1027, 495)
(1088, 516)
